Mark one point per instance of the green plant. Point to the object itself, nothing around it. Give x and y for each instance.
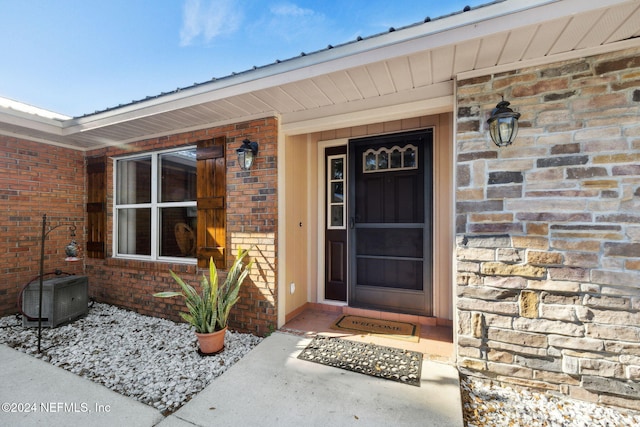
(209, 311)
(271, 328)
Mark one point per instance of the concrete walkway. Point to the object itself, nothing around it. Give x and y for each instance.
(268, 387)
(35, 393)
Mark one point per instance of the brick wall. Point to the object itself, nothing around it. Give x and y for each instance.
(548, 230)
(36, 179)
(251, 221)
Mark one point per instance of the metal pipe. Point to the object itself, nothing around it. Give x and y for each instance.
(44, 235)
(72, 228)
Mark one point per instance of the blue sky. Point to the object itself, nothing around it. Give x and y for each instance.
(78, 56)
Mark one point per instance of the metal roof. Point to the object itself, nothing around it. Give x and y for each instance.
(404, 72)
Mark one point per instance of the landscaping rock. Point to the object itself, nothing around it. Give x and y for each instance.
(149, 359)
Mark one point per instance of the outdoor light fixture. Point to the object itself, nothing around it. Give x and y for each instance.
(247, 154)
(71, 250)
(503, 124)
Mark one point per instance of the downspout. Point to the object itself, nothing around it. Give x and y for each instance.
(454, 260)
(281, 249)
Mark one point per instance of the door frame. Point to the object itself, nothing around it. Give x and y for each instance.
(321, 211)
(322, 224)
(321, 215)
(444, 163)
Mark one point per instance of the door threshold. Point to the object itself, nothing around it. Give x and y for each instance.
(380, 314)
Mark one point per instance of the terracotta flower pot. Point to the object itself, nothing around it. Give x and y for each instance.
(211, 343)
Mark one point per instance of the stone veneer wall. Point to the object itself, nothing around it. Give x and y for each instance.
(548, 230)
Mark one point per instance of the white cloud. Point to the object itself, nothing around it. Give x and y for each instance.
(208, 19)
(289, 9)
(290, 22)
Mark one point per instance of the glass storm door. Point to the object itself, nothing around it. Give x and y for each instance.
(390, 222)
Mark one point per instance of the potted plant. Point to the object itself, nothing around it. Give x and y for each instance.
(209, 310)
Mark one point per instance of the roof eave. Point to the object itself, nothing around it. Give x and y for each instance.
(450, 28)
(30, 120)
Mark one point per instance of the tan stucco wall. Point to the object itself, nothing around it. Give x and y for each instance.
(297, 228)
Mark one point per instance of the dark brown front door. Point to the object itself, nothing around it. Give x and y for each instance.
(390, 222)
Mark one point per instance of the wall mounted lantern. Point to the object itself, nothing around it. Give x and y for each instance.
(503, 124)
(247, 154)
(72, 249)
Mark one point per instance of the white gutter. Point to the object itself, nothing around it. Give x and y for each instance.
(10, 104)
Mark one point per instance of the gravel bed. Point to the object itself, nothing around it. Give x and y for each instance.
(488, 404)
(152, 360)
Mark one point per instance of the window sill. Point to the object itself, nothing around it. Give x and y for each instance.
(153, 265)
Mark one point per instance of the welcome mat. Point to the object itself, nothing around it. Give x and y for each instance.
(386, 328)
(394, 364)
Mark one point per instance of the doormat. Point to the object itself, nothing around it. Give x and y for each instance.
(394, 364)
(385, 328)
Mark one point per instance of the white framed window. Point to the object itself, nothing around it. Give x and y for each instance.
(336, 200)
(155, 206)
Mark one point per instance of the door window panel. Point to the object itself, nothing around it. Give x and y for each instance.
(336, 211)
(390, 273)
(393, 242)
(386, 159)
